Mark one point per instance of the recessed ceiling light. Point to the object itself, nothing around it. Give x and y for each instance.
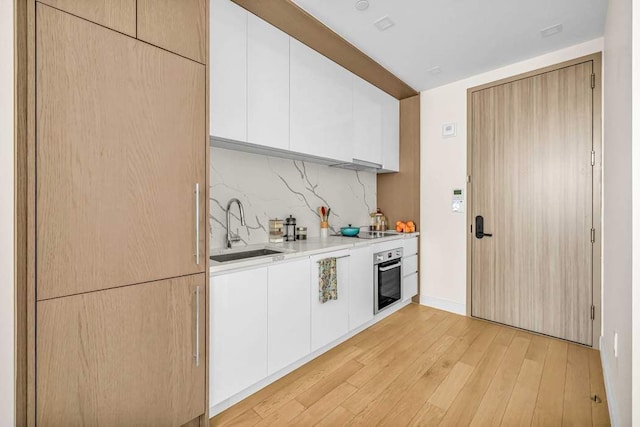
(551, 31)
(384, 23)
(434, 70)
(362, 5)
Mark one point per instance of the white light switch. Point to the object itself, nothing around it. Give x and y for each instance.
(457, 200)
(448, 130)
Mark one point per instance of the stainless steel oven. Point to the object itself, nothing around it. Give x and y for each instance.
(387, 279)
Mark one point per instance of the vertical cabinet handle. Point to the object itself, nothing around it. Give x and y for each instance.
(197, 355)
(197, 191)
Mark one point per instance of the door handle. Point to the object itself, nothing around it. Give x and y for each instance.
(196, 356)
(480, 228)
(197, 193)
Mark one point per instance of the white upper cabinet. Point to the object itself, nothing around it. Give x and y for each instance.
(268, 85)
(228, 70)
(368, 116)
(390, 133)
(321, 105)
(289, 321)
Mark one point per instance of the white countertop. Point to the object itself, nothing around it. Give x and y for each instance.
(297, 249)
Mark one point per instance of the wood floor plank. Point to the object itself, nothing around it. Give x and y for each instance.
(370, 390)
(379, 407)
(283, 415)
(417, 395)
(577, 406)
(447, 370)
(373, 368)
(466, 403)
(330, 382)
(448, 389)
(428, 415)
(322, 407)
(337, 417)
(494, 402)
(599, 410)
(323, 368)
(522, 403)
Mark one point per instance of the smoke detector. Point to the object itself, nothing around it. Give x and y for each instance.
(434, 70)
(362, 5)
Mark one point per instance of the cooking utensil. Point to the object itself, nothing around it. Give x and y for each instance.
(350, 231)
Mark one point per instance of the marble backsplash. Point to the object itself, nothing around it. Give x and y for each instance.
(271, 187)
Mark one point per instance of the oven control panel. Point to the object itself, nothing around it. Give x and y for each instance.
(387, 255)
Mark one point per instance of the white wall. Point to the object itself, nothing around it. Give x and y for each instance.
(617, 211)
(443, 167)
(7, 343)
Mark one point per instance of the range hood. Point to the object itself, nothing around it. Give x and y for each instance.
(359, 165)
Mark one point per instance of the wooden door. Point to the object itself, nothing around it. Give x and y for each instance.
(121, 145)
(532, 182)
(179, 26)
(123, 356)
(119, 15)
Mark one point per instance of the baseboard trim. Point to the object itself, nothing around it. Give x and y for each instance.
(226, 404)
(611, 399)
(444, 304)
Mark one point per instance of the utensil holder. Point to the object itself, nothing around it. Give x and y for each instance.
(324, 230)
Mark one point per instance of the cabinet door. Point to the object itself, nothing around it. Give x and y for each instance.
(179, 26)
(228, 70)
(268, 85)
(123, 356)
(367, 116)
(289, 314)
(410, 286)
(361, 303)
(238, 340)
(390, 133)
(329, 321)
(119, 15)
(410, 246)
(121, 146)
(321, 105)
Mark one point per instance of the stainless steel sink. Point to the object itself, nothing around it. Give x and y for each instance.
(235, 256)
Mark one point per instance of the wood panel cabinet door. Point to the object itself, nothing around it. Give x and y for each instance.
(289, 320)
(119, 15)
(179, 26)
(123, 356)
(121, 159)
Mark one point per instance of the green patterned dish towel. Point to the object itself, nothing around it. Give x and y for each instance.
(328, 280)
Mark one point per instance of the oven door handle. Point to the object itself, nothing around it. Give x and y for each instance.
(390, 267)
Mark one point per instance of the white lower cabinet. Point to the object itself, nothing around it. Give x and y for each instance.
(329, 320)
(410, 286)
(238, 332)
(360, 286)
(289, 337)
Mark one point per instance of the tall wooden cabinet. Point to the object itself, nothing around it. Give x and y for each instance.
(121, 213)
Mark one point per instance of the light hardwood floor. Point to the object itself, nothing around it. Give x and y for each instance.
(422, 366)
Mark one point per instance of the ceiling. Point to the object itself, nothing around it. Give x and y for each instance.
(461, 37)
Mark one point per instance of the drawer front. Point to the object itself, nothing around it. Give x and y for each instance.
(410, 246)
(409, 265)
(410, 286)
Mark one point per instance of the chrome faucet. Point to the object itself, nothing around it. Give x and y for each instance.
(230, 236)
